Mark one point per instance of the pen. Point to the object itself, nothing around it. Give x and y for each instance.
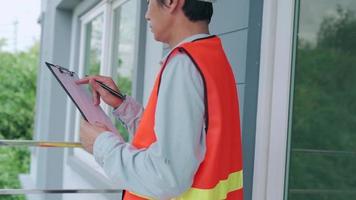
(113, 92)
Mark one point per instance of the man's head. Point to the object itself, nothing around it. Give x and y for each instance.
(195, 10)
(167, 18)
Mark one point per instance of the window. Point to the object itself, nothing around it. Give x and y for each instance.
(93, 45)
(322, 148)
(125, 17)
(107, 47)
(90, 62)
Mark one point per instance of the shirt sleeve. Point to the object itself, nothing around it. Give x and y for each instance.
(166, 169)
(129, 113)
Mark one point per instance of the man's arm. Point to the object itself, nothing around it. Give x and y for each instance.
(129, 113)
(166, 169)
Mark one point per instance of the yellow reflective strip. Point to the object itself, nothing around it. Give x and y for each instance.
(220, 191)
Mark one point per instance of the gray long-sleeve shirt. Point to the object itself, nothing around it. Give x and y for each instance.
(166, 168)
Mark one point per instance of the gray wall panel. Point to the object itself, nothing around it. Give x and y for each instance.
(229, 15)
(235, 45)
(238, 23)
(68, 4)
(251, 93)
(50, 115)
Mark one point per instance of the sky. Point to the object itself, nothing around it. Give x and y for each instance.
(26, 13)
(313, 13)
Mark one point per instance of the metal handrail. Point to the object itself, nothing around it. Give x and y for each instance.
(46, 144)
(32, 143)
(55, 191)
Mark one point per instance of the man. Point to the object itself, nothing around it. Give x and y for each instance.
(187, 142)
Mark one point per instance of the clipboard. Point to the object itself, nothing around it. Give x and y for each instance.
(80, 96)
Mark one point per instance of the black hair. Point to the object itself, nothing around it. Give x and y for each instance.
(195, 10)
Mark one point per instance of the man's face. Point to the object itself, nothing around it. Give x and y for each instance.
(158, 19)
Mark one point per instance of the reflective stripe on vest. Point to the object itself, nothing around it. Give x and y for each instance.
(232, 183)
(220, 191)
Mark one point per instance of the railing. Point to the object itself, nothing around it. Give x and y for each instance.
(48, 144)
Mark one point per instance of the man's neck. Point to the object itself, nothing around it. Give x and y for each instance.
(185, 30)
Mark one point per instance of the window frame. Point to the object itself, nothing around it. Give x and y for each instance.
(74, 157)
(100, 9)
(273, 109)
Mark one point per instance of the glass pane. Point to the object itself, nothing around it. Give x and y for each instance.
(93, 45)
(124, 49)
(92, 52)
(323, 139)
(339, 195)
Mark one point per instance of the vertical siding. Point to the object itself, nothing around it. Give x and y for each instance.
(47, 164)
(229, 15)
(251, 91)
(238, 25)
(230, 23)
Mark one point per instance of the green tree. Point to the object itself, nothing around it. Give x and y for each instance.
(17, 97)
(17, 93)
(338, 33)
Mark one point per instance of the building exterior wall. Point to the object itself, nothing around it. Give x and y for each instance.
(50, 123)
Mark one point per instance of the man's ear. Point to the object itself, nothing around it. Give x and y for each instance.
(174, 5)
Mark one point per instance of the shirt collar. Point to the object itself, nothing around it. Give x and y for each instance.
(188, 39)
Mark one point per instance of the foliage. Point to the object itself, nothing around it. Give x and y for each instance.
(338, 33)
(93, 62)
(17, 93)
(13, 162)
(17, 97)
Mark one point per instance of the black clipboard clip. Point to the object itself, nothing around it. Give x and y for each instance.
(61, 69)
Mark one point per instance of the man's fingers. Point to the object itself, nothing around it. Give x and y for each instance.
(104, 79)
(92, 81)
(98, 92)
(83, 80)
(107, 81)
(88, 79)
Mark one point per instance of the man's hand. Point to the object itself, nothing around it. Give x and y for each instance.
(89, 133)
(98, 91)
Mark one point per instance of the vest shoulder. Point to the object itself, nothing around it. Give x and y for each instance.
(204, 45)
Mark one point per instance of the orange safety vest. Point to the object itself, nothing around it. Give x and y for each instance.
(220, 174)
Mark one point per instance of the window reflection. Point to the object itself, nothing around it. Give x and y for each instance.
(93, 45)
(92, 52)
(323, 139)
(124, 49)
